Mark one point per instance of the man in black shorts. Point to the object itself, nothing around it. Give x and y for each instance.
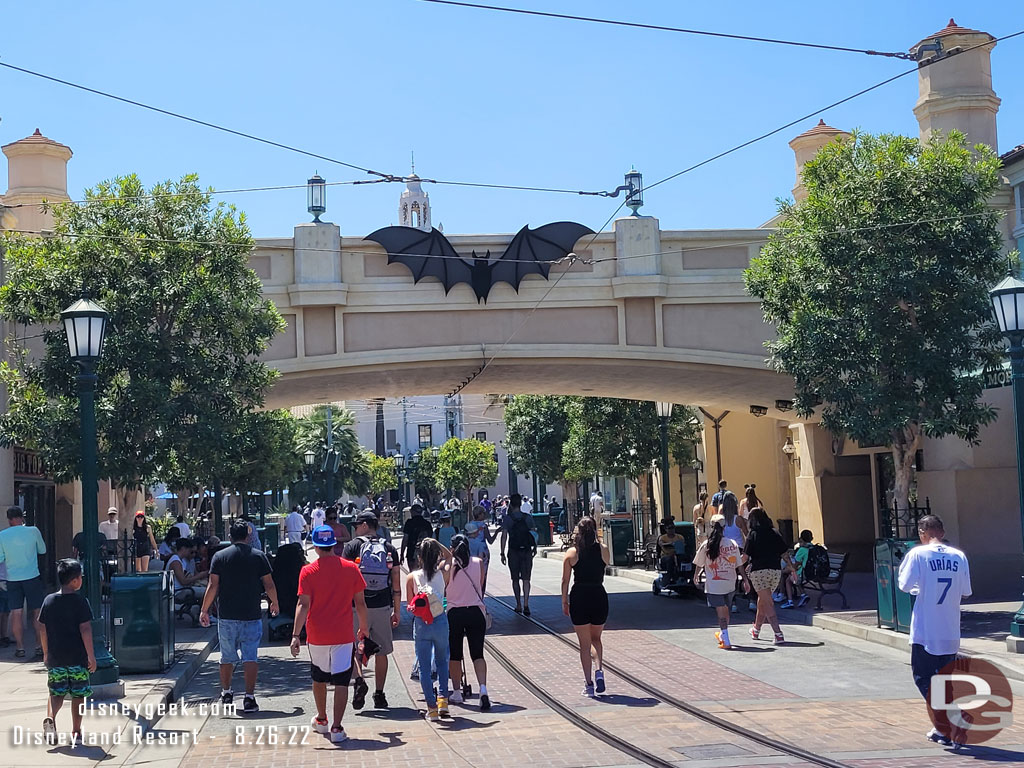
(519, 534)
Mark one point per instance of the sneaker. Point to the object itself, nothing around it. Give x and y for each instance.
(380, 701)
(721, 643)
(599, 681)
(957, 745)
(50, 730)
(755, 633)
(249, 705)
(588, 690)
(227, 698)
(442, 707)
(320, 725)
(432, 715)
(338, 735)
(788, 604)
(485, 702)
(779, 639)
(938, 738)
(778, 597)
(456, 697)
(415, 674)
(359, 693)
(804, 599)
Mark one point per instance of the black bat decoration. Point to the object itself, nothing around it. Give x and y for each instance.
(429, 254)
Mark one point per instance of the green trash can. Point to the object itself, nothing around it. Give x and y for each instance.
(459, 518)
(894, 605)
(349, 521)
(689, 534)
(142, 619)
(618, 536)
(543, 522)
(270, 536)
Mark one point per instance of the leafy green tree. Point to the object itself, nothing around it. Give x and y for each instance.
(353, 472)
(383, 473)
(536, 429)
(180, 369)
(263, 454)
(466, 463)
(423, 473)
(878, 285)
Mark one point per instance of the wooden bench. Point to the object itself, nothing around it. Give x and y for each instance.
(833, 584)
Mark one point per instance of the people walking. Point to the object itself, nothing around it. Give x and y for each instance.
(467, 619)
(341, 532)
(939, 576)
(328, 589)
(425, 593)
(477, 534)
(749, 500)
(764, 549)
(20, 546)
(65, 631)
(144, 541)
(596, 504)
(109, 527)
(716, 500)
(445, 530)
(586, 603)
(518, 536)
(416, 528)
(239, 575)
(318, 516)
(294, 527)
(719, 556)
(378, 562)
(700, 509)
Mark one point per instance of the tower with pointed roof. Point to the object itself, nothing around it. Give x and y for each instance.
(414, 205)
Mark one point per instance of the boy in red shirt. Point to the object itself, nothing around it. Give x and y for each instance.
(327, 590)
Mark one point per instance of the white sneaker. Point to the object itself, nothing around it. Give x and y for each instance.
(938, 738)
(338, 735)
(321, 726)
(455, 698)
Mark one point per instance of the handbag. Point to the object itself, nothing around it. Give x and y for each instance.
(488, 620)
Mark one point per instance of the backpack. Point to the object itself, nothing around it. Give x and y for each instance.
(374, 565)
(817, 566)
(519, 534)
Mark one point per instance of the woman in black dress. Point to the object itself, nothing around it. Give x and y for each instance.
(144, 541)
(765, 549)
(586, 604)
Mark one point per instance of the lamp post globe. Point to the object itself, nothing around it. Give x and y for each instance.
(316, 196)
(85, 327)
(309, 457)
(664, 414)
(1008, 307)
(634, 190)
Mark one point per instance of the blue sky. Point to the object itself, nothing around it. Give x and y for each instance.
(479, 96)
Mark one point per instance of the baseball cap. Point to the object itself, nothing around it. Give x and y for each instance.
(718, 519)
(323, 536)
(140, 513)
(446, 515)
(112, 511)
(367, 516)
(472, 527)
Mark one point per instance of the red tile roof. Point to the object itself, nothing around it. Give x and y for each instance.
(820, 128)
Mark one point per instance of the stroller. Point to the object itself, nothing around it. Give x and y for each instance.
(676, 572)
(285, 571)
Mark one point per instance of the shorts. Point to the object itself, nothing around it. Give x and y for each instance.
(924, 665)
(30, 591)
(467, 622)
(520, 564)
(237, 635)
(588, 604)
(3, 601)
(330, 663)
(143, 549)
(69, 681)
(765, 579)
(379, 628)
(718, 601)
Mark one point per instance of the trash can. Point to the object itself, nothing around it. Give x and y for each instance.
(142, 619)
(894, 605)
(270, 536)
(618, 535)
(349, 521)
(689, 534)
(459, 518)
(543, 522)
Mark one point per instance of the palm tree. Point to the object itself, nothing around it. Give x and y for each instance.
(353, 472)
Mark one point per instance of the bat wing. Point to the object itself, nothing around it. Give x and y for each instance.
(532, 251)
(426, 254)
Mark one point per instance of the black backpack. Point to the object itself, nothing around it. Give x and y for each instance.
(817, 567)
(519, 535)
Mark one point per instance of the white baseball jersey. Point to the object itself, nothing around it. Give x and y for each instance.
(939, 577)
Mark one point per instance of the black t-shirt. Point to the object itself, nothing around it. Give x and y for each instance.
(62, 614)
(764, 547)
(416, 527)
(240, 569)
(380, 598)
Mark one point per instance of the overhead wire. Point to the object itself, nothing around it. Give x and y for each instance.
(664, 28)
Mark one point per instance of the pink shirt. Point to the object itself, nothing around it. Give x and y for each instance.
(464, 587)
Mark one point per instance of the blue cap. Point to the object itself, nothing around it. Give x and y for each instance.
(323, 536)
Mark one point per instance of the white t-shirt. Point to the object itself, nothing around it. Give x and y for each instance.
(294, 524)
(183, 527)
(940, 577)
(109, 529)
(721, 572)
(597, 504)
(317, 518)
(188, 567)
(527, 507)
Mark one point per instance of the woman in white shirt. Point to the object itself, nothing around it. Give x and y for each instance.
(720, 558)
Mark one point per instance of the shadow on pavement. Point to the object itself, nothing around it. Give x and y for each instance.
(92, 754)
(464, 724)
(373, 745)
(751, 649)
(270, 714)
(626, 701)
(394, 713)
(990, 754)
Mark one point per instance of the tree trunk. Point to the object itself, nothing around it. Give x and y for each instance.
(904, 452)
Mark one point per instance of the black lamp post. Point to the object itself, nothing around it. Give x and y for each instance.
(316, 196)
(664, 414)
(309, 459)
(1008, 303)
(400, 471)
(634, 190)
(85, 325)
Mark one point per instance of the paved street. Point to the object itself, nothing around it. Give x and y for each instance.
(836, 696)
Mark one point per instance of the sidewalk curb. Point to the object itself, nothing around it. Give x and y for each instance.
(642, 577)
